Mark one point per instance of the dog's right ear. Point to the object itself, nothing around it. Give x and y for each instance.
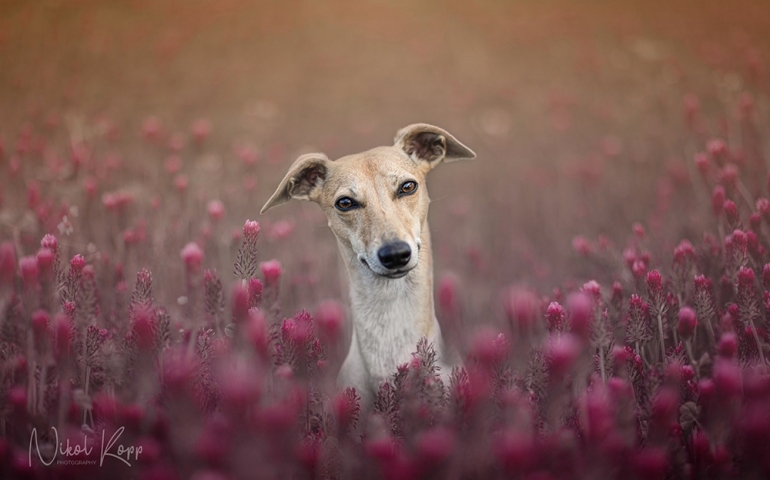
(306, 173)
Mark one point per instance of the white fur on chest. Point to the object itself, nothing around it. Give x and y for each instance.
(387, 327)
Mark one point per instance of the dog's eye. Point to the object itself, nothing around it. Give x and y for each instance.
(345, 203)
(407, 188)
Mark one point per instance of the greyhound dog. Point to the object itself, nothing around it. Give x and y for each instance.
(377, 206)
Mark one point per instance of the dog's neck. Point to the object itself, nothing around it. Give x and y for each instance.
(391, 315)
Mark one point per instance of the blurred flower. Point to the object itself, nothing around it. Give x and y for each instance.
(687, 322)
(216, 210)
(201, 129)
(522, 307)
(192, 255)
(271, 271)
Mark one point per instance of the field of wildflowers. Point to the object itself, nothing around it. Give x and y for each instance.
(603, 266)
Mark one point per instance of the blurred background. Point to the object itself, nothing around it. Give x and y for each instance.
(122, 121)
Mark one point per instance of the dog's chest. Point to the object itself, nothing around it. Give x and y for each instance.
(388, 328)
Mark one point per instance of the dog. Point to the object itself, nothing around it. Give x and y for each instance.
(377, 206)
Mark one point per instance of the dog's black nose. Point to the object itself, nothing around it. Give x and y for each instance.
(394, 254)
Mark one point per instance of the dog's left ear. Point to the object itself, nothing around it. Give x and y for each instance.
(427, 143)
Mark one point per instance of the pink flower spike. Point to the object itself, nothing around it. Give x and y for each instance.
(45, 259)
(582, 246)
(581, 309)
(201, 130)
(702, 162)
(192, 255)
(271, 271)
(687, 322)
(716, 147)
(654, 281)
(522, 307)
(216, 210)
(49, 241)
(251, 229)
(684, 252)
(561, 352)
(181, 182)
(718, 199)
(731, 211)
(29, 270)
(330, 318)
(151, 128)
(77, 263)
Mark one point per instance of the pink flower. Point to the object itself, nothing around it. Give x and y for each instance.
(731, 211)
(684, 252)
(691, 107)
(447, 295)
(176, 142)
(251, 230)
(716, 147)
(173, 164)
(728, 175)
(489, 347)
(247, 154)
(727, 379)
(192, 255)
(201, 129)
(581, 309)
(638, 269)
(687, 322)
(728, 345)
(582, 246)
(718, 199)
(256, 331)
(654, 282)
(216, 210)
(593, 289)
(181, 182)
(49, 241)
(330, 318)
(746, 277)
(91, 186)
(555, 316)
(40, 321)
(240, 302)
(281, 230)
(29, 270)
(522, 307)
(561, 351)
(271, 271)
(151, 128)
(702, 162)
(77, 264)
(763, 205)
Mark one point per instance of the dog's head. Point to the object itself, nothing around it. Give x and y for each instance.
(376, 201)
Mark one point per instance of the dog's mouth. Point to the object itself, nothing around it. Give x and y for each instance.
(391, 274)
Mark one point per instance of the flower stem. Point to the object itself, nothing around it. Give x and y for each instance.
(662, 343)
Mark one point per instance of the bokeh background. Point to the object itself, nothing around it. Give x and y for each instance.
(585, 117)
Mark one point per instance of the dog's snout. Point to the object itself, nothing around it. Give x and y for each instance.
(394, 254)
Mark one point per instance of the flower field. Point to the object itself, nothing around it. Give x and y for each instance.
(603, 266)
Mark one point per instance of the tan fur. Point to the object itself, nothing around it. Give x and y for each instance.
(391, 308)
